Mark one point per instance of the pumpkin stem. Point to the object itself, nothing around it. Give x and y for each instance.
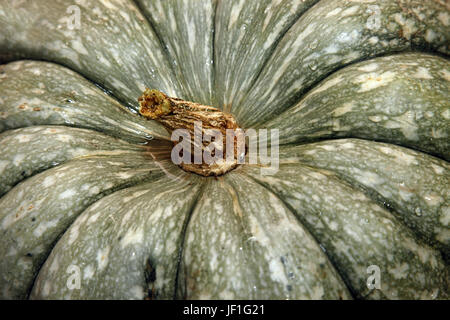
(174, 113)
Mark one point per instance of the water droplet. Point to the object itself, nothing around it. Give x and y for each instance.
(418, 212)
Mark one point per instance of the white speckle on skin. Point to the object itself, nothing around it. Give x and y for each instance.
(444, 18)
(63, 138)
(43, 226)
(445, 216)
(400, 272)
(277, 271)
(372, 81)
(88, 272)
(46, 289)
(102, 257)
(375, 118)
(137, 292)
(373, 40)
(18, 158)
(347, 107)
(333, 225)
(369, 178)
(67, 194)
(423, 73)
(430, 36)
(108, 4)
(77, 45)
(235, 13)
(134, 195)
(350, 11)
(48, 181)
(54, 266)
(327, 85)
(328, 147)
(400, 157)
(437, 169)
(124, 175)
(406, 124)
(347, 145)
(408, 25)
(93, 191)
(333, 12)
(24, 137)
(132, 237)
(369, 67)
(433, 199)
(73, 235)
(3, 164)
(446, 114)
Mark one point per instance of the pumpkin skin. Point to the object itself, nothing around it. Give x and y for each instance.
(82, 186)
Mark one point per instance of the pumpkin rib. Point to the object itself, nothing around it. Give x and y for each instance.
(251, 253)
(183, 237)
(315, 85)
(146, 243)
(152, 26)
(272, 48)
(186, 31)
(314, 47)
(379, 100)
(22, 150)
(356, 242)
(48, 212)
(139, 240)
(247, 32)
(416, 192)
(43, 93)
(119, 66)
(332, 261)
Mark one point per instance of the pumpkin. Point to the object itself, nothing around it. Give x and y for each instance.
(92, 206)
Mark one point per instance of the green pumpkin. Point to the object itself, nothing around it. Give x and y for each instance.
(92, 207)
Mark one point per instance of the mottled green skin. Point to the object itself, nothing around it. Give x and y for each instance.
(35, 213)
(141, 228)
(413, 184)
(331, 35)
(136, 226)
(34, 93)
(186, 27)
(22, 155)
(402, 99)
(356, 232)
(247, 34)
(114, 45)
(256, 249)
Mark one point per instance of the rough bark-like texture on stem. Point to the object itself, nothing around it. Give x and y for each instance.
(176, 114)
